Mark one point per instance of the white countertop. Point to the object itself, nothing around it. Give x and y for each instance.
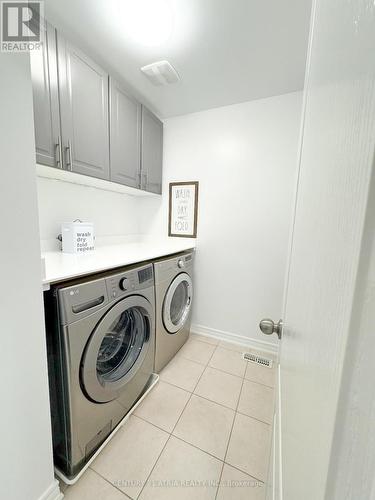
(61, 266)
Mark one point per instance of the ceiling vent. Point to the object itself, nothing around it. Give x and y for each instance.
(161, 73)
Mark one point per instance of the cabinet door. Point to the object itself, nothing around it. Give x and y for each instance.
(125, 137)
(151, 152)
(46, 100)
(84, 112)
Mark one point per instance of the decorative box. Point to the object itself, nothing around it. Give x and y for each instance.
(77, 237)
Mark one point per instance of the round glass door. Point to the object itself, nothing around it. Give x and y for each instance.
(121, 345)
(116, 348)
(177, 303)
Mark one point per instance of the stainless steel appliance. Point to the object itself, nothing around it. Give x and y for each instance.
(100, 339)
(174, 295)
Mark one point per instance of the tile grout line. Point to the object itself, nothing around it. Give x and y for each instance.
(200, 396)
(216, 402)
(170, 434)
(238, 351)
(230, 373)
(174, 385)
(260, 383)
(221, 370)
(191, 393)
(111, 484)
(194, 360)
(180, 355)
(200, 449)
(238, 412)
(154, 425)
(256, 381)
(245, 473)
(183, 440)
(245, 348)
(254, 418)
(214, 368)
(153, 467)
(230, 436)
(253, 350)
(68, 486)
(217, 458)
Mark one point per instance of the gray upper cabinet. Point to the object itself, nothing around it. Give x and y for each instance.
(46, 100)
(125, 136)
(151, 152)
(87, 123)
(84, 111)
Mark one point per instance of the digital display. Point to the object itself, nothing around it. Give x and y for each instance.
(145, 274)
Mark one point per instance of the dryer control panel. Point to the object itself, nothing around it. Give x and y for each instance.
(167, 268)
(130, 281)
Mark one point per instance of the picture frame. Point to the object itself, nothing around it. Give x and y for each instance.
(183, 209)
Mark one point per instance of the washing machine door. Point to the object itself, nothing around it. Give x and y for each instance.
(117, 348)
(177, 303)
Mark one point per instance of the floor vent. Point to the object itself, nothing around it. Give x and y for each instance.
(247, 356)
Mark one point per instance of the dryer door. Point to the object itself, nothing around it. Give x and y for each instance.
(177, 303)
(117, 348)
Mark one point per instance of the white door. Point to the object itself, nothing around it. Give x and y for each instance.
(335, 167)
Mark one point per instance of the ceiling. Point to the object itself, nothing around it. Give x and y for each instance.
(225, 51)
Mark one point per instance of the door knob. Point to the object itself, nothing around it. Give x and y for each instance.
(269, 327)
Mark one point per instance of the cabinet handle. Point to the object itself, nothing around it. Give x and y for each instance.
(58, 153)
(139, 180)
(68, 150)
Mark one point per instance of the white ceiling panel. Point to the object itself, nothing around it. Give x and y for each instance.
(225, 51)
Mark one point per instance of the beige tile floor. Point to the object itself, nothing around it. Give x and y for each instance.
(204, 432)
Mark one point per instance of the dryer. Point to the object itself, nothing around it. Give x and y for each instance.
(101, 345)
(174, 296)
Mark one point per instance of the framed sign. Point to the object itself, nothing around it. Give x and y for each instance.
(183, 209)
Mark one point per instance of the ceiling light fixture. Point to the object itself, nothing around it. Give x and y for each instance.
(146, 22)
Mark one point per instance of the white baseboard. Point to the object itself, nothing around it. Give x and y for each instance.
(260, 345)
(53, 492)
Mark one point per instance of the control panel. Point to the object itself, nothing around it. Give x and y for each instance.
(179, 263)
(183, 261)
(129, 281)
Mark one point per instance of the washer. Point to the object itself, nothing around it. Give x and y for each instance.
(174, 296)
(101, 348)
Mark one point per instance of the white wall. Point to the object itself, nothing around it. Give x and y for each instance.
(26, 452)
(244, 157)
(113, 214)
